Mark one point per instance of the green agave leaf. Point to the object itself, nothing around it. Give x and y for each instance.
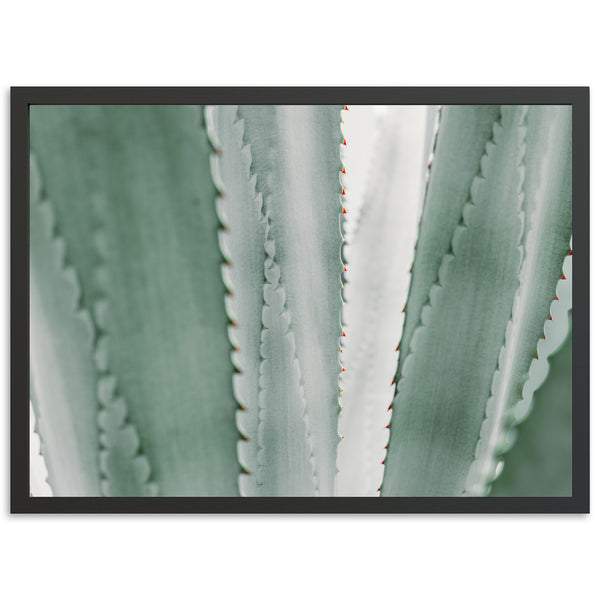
(540, 463)
(446, 377)
(286, 466)
(460, 142)
(155, 282)
(276, 451)
(67, 377)
(56, 134)
(295, 153)
(62, 374)
(547, 200)
(243, 244)
(381, 252)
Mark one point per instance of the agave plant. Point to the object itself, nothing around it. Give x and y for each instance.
(215, 312)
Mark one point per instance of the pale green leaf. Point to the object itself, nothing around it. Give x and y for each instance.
(295, 154)
(540, 463)
(460, 143)
(286, 466)
(144, 215)
(446, 377)
(62, 374)
(243, 244)
(547, 201)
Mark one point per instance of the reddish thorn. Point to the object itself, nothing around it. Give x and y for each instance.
(246, 472)
(341, 437)
(344, 211)
(386, 447)
(378, 489)
(344, 170)
(243, 408)
(346, 107)
(229, 293)
(341, 350)
(544, 337)
(556, 298)
(345, 269)
(345, 142)
(233, 324)
(227, 262)
(571, 252)
(343, 369)
(387, 426)
(411, 267)
(343, 192)
(537, 356)
(393, 381)
(383, 462)
(236, 349)
(343, 334)
(341, 390)
(429, 165)
(563, 276)
(398, 346)
(403, 310)
(390, 406)
(550, 318)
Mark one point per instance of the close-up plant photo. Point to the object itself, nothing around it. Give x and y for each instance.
(300, 300)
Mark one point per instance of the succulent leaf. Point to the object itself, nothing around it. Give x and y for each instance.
(243, 244)
(547, 201)
(460, 143)
(161, 310)
(62, 374)
(296, 159)
(286, 466)
(540, 462)
(446, 378)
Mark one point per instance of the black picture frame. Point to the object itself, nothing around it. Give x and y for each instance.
(23, 97)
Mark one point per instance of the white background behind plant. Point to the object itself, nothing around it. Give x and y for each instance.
(268, 556)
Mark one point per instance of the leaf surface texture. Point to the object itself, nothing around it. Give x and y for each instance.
(296, 159)
(136, 192)
(446, 377)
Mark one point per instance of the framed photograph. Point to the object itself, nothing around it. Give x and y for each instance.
(314, 300)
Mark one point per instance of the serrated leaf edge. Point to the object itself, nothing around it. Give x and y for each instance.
(98, 338)
(498, 130)
(556, 330)
(272, 273)
(246, 413)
